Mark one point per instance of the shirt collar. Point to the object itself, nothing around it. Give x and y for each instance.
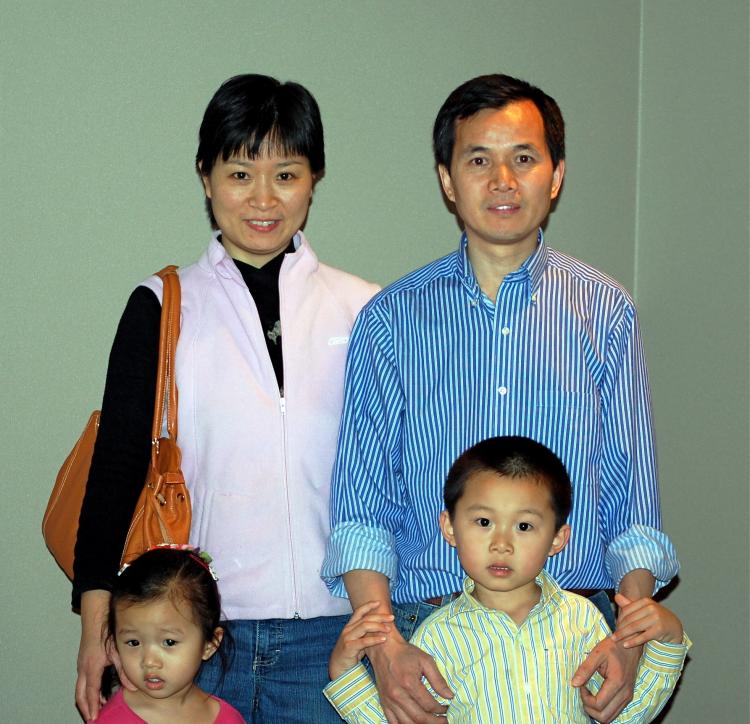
(530, 272)
(551, 594)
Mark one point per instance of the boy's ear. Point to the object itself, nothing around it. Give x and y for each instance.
(446, 528)
(210, 647)
(560, 540)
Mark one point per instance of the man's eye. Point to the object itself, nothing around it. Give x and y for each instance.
(478, 161)
(525, 159)
(483, 522)
(525, 526)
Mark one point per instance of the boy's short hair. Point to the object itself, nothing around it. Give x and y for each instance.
(495, 91)
(512, 457)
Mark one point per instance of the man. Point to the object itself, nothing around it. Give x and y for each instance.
(503, 337)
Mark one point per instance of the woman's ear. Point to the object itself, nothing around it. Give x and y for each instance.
(210, 647)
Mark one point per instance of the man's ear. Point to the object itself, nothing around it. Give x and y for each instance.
(446, 528)
(210, 647)
(560, 540)
(557, 178)
(445, 180)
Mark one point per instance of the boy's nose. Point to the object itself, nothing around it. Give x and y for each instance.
(501, 542)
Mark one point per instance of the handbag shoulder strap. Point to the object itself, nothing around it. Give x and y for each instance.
(169, 331)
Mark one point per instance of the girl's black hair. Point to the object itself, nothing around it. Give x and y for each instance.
(179, 575)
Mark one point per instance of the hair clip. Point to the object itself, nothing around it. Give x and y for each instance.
(201, 557)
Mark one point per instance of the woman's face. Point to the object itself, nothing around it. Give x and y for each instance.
(259, 203)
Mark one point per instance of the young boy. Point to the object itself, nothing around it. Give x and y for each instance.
(509, 645)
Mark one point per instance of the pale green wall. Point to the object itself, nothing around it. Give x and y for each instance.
(99, 109)
(692, 291)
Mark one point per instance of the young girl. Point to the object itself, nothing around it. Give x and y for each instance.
(164, 623)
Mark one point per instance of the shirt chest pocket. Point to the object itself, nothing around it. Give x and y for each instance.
(560, 701)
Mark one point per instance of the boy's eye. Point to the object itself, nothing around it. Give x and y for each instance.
(525, 526)
(483, 522)
(169, 643)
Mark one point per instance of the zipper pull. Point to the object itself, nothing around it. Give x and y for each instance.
(282, 405)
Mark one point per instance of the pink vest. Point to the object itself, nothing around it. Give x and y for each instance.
(258, 466)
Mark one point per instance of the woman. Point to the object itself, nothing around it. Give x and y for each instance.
(260, 363)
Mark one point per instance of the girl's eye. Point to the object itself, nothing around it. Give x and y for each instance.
(170, 642)
(132, 643)
(525, 526)
(483, 522)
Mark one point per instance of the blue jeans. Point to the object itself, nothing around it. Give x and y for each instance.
(277, 669)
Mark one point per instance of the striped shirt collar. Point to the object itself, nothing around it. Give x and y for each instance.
(529, 273)
(550, 598)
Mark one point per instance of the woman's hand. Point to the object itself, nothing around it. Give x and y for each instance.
(93, 654)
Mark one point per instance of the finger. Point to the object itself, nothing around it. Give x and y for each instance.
(358, 645)
(437, 682)
(586, 670)
(361, 611)
(622, 600)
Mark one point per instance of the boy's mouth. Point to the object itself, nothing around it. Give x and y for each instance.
(500, 571)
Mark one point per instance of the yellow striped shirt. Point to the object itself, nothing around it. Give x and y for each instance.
(501, 673)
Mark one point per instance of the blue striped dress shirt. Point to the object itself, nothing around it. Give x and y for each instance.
(434, 367)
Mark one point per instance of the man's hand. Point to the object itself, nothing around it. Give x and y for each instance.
(619, 667)
(399, 668)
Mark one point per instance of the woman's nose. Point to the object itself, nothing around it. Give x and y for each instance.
(263, 195)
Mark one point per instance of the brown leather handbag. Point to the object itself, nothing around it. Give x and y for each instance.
(162, 514)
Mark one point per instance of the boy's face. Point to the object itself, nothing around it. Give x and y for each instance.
(504, 531)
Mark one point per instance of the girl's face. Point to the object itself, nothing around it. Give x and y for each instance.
(259, 203)
(161, 647)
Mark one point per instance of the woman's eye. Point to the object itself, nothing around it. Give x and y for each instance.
(285, 176)
(240, 175)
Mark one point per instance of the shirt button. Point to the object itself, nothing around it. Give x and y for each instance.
(505, 331)
(502, 390)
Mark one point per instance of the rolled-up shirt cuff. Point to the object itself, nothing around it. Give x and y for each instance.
(642, 546)
(355, 546)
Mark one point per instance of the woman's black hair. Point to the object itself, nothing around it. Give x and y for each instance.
(250, 110)
(178, 575)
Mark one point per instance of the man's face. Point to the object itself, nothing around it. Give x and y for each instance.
(501, 177)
